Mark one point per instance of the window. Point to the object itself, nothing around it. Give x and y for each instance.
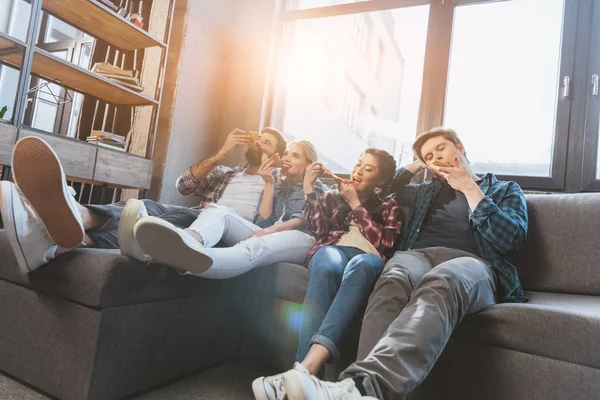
(14, 18)
(359, 31)
(380, 62)
(517, 79)
(328, 92)
(503, 84)
(352, 105)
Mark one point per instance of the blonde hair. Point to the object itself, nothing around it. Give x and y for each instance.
(309, 149)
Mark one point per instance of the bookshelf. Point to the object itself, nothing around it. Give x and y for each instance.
(111, 34)
(101, 22)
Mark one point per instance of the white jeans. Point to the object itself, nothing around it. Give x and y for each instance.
(243, 253)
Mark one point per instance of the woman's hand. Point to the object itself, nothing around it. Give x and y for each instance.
(266, 171)
(264, 232)
(313, 171)
(349, 194)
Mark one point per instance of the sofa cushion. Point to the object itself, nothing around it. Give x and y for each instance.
(561, 252)
(103, 278)
(559, 326)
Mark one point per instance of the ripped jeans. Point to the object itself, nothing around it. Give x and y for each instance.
(242, 252)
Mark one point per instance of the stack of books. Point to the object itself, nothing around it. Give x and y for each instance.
(123, 77)
(107, 140)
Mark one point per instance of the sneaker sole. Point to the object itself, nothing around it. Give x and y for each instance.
(258, 387)
(40, 177)
(164, 245)
(129, 217)
(6, 207)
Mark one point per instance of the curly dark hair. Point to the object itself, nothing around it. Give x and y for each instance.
(387, 171)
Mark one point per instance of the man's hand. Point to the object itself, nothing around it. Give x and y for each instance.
(313, 171)
(463, 179)
(349, 194)
(236, 138)
(266, 171)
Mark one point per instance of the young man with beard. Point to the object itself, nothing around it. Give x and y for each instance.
(452, 261)
(42, 219)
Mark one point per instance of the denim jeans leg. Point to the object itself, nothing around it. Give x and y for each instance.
(325, 273)
(360, 276)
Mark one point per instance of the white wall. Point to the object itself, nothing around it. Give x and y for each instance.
(222, 78)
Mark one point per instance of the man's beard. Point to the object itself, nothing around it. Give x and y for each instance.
(254, 157)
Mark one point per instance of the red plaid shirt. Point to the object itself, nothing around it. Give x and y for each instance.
(211, 188)
(321, 212)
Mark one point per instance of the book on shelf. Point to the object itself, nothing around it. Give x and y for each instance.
(109, 4)
(106, 68)
(102, 135)
(135, 86)
(109, 146)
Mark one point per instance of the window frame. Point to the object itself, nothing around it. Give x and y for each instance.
(589, 179)
(575, 139)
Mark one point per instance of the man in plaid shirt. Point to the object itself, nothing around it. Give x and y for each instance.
(452, 261)
(208, 180)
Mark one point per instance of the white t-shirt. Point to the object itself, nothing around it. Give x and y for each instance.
(242, 194)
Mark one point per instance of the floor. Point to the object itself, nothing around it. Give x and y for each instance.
(230, 381)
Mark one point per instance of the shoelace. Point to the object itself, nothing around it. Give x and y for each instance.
(333, 390)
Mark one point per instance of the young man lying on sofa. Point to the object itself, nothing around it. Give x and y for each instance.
(43, 220)
(451, 262)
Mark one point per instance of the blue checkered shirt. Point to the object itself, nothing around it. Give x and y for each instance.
(499, 224)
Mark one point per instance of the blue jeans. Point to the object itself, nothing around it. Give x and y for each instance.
(340, 280)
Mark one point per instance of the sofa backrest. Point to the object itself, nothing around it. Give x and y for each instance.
(562, 251)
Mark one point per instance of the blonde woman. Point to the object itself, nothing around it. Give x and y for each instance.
(278, 234)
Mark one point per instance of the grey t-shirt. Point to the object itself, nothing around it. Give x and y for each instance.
(447, 223)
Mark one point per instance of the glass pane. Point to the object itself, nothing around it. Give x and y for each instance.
(14, 18)
(57, 31)
(349, 82)
(9, 80)
(598, 156)
(503, 84)
(304, 4)
(44, 116)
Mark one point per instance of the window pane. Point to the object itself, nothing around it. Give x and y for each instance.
(14, 18)
(346, 91)
(598, 156)
(304, 4)
(9, 80)
(58, 30)
(503, 84)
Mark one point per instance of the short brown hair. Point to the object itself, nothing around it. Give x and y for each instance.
(281, 143)
(449, 134)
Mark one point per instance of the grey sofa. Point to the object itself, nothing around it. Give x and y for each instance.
(95, 325)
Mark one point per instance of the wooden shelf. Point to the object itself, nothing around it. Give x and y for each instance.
(81, 80)
(11, 48)
(101, 22)
(84, 161)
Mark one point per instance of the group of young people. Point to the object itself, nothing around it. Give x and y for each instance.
(419, 257)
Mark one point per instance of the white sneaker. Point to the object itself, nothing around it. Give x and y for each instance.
(40, 177)
(133, 211)
(307, 387)
(272, 387)
(26, 234)
(167, 244)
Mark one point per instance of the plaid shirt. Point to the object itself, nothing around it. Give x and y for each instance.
(211, 188)
(321, 212)
(499, 224)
